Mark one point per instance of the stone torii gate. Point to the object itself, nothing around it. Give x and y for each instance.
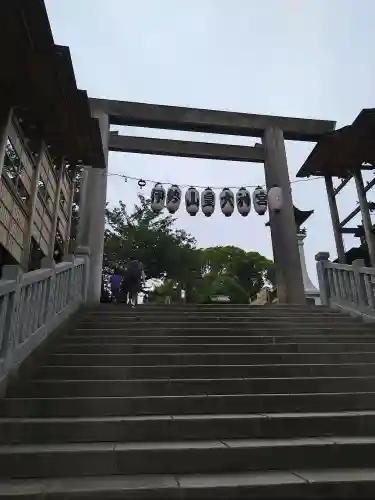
(273, 130)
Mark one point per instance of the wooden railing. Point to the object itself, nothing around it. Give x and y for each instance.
(348, 287)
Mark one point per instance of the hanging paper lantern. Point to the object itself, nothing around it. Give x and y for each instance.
(173, 199)
(208, 202)
(243, 201)
(157, 197)
(227, 202)
(260, 200)
(192, 201)
(275, 199)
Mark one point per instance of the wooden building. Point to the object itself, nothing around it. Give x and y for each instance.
(344, 154)
(46, 135)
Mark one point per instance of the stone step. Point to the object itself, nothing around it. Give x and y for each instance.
(187, 319)
(326, 484)
(238, 329)
(177, 405)
(144, 308)
(181, 387)
(183, 427)
(239, 358)
(253, 324)
(91, 348)
(203, 371)
(184, 457)
(108, 339)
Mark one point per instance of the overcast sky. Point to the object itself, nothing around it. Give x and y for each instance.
(302, 58)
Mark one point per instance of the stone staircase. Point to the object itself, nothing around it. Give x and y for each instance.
(188, 402)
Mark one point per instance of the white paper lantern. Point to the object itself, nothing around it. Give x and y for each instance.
(157, 197)
(275, 199)
(192, 201)
(227, 202)
(243, 201)
(173, 199)
(208, 202)
(260, 200)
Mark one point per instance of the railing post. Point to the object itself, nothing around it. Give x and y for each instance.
(321, 269)
(50, 299)
(84, 252)
(70, 292)
(12, 273)
(359, 284)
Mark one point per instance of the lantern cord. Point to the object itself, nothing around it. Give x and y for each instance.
(129, 177)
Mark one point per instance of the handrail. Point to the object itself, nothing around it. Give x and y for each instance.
(36, 303)
(347, 287)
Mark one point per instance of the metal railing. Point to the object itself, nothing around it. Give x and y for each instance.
(348, 287)
(33, 304)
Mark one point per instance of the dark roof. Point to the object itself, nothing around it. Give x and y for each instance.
(344, 150)
(355, 253)
(300, 216)
(40, 81)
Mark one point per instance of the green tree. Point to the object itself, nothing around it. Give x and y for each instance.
(151, 237)
(169, 255)
(251, 270)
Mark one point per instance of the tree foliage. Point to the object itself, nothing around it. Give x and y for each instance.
(170, 255)
(150, 237)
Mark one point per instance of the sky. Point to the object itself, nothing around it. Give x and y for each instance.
(299, 58)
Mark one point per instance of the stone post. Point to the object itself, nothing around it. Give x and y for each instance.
(283, 227)
(92, 213)
(359, 284)
(311, 291)
(321, 261)
(84, 252)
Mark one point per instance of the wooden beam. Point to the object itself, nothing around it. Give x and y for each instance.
(209, 121)
(185, 149)
(341, 185)
(358, 209)
(349, 230)
(335, 219)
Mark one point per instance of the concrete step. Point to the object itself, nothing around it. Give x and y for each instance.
(183, 427)
(106, 372)
(239, 358)
(187, 319)
(185, 457)
(157, 348)
(143, 308)
(324, 484)
(181, 387)
(228, 339)
(251, 323)
(244, 329)
(177, 405)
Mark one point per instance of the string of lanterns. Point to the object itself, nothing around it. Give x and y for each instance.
(171, 199)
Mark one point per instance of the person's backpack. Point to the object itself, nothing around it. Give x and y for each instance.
(134, 269)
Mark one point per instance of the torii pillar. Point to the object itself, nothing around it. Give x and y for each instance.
(286, 255)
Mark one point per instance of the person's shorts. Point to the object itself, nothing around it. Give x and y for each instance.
(134, 284)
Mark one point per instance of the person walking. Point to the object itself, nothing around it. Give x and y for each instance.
(116, 279)
(133, 278)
